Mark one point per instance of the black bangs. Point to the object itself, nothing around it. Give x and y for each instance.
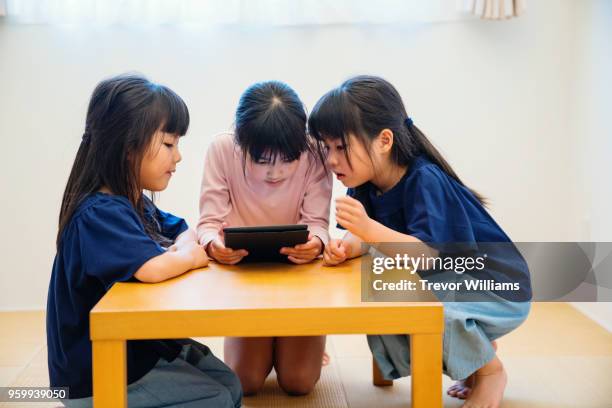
(275, 133)
(123, 116)
(335, 117)
(173, 111)
(366, 105)
(271, 122)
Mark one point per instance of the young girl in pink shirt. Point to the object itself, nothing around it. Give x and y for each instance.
(269, 171)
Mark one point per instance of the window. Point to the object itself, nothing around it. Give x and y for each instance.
(214, 12)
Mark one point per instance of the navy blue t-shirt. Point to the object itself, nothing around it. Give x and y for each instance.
(104, 242)
(432, 206)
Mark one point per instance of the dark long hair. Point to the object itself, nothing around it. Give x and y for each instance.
(364, 106)
(271, 120)
(123, 115)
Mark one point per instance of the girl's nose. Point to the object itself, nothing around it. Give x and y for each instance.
(276, 168)
(177, 156)
(332, 160)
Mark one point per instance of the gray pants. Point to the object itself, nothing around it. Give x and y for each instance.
(196, 378)
(469, 328)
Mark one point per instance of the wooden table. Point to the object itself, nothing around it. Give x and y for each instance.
(259, 300)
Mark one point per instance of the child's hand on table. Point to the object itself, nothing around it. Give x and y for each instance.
(187, 242)
(336, 252)
(304, 253)
(197, 252)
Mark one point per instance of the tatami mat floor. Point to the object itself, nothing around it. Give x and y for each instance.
(559, 358)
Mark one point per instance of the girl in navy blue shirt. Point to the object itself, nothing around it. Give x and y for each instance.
(109, 231)
(401, 190)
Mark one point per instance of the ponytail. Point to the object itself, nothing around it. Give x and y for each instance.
(123, 116)
(82, 181)
(429, 150)
(364, 106)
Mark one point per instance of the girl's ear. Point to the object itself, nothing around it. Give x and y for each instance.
(384, 141)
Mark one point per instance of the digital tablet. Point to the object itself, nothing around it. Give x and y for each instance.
(264, 242)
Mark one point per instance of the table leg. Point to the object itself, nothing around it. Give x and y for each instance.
(426, 363)
(109, 374)
(377, 377)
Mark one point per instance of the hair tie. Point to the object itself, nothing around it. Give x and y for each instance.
(408, 121)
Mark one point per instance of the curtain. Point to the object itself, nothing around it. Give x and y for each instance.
(257, 12)
(211, 12)
(494, 9)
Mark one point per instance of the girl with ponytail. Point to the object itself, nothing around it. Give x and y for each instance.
(110, 231)
(402, 192)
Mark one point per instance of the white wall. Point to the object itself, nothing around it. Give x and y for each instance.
(592, 130)
(494, 96)
(591, 107)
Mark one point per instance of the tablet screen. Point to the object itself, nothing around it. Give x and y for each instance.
(264, 242)
(266, 228)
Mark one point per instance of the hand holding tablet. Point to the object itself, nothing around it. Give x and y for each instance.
(219, 252)
(304, 253)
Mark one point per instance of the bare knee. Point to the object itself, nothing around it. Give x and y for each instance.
(251, 360)
(251, 380)
(251, 384)
(297, 382)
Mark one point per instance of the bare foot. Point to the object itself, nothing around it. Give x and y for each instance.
(326, 359)
(489, 385)
(462, 388)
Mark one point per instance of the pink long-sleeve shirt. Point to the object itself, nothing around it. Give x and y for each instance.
(229, 195)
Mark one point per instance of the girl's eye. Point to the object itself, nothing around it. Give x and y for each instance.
(340, 147)
(169, 145)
